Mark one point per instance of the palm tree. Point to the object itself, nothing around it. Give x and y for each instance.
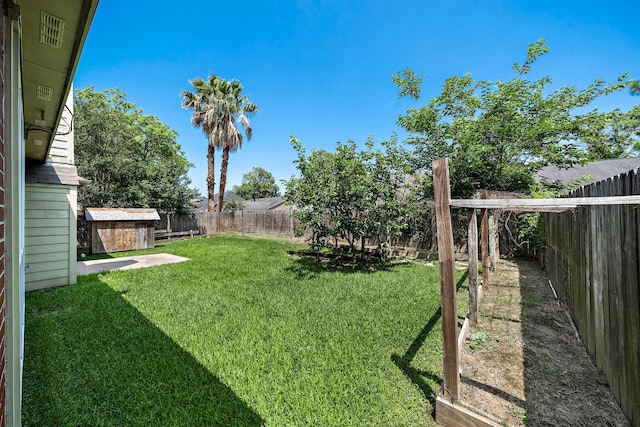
(218, 105)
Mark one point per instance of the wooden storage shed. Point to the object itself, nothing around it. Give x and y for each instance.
(114, 230)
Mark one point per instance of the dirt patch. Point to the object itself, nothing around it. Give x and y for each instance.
(523, 365)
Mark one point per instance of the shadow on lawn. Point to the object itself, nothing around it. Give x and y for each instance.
(91, 358)
(310, 267)
(418, 376)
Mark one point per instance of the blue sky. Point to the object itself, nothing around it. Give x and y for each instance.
(321, 70)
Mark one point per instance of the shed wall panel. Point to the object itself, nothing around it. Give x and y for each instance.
(115, 236)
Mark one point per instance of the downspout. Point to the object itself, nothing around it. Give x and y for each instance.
(14, 214)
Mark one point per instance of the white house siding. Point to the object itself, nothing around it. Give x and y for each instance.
(50, 246)
(61, 150)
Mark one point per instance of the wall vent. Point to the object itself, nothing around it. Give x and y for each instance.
(44, 92)
(51, 30)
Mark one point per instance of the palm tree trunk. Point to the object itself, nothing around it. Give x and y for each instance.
(211, 178)
(223, 176)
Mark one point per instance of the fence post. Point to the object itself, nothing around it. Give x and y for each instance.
(291, 230)
(447, 279)
(473, 267)
(492, 241)
(485, 243)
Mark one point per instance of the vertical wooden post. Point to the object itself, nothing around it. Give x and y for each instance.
(472, 246)
(492, 241)
(485, 243)
(447, 279)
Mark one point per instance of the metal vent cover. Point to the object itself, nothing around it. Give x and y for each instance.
(44, 92)
(51, 29)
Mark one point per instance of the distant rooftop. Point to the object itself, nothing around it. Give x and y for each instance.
(265, 203)
(587, 174)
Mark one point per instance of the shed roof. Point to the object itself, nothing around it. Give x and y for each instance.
(121, 214)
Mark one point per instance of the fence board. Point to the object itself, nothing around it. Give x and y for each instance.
(594, 254)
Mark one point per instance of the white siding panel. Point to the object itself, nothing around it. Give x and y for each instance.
(47, 205)
(43, 245)
(62, 223)
(35, 285)
(51, 240)
(60, 255)
(47, 275)
(45, 194)
(48, 214)
(47, 265)
(62, 147)
(58, 152)
(44, 230)
(50, 230)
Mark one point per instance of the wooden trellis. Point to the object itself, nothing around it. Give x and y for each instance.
(448, 412)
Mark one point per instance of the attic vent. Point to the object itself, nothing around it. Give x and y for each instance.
(51, 29)
(44, 92)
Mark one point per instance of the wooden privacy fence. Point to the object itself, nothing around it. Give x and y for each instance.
(597, 262)
(593, 260)
(275, 222)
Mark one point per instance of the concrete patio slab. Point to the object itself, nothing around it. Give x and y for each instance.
(126, 263)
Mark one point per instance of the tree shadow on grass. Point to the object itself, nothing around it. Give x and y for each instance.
(91, 358)
(308, 267)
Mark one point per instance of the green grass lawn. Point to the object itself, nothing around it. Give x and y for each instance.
(242, 334)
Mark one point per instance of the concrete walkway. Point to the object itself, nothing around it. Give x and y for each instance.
(126, 263)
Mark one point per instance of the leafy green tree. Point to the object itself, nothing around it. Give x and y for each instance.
(218, 106)
(233, 205)
(348, 194)
(256, 184)
(131, 158)
(614, 135)
(497, 134)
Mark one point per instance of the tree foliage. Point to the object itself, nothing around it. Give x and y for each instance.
(233, 205)
(614, 135)
(218, 107)
(348, 194)
(497, 134)
(256, 184)
(131, 158)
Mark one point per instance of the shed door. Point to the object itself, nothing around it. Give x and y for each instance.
(141, 236)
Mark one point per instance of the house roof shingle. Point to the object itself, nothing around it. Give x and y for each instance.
(589, 173)
(48, 173)
(265, 203)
